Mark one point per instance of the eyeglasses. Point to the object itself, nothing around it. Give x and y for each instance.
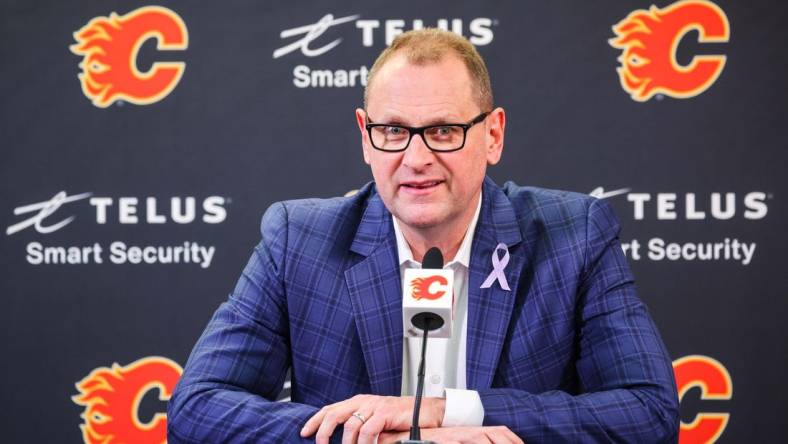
(443, 138)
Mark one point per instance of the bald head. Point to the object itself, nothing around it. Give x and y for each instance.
(429, 46)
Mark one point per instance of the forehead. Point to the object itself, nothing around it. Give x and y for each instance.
(416, 93)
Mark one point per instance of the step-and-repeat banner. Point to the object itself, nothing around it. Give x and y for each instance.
(142, 142)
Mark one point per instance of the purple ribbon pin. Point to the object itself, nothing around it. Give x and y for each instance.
(498, 266)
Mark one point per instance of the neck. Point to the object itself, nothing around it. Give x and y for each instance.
(447, 237)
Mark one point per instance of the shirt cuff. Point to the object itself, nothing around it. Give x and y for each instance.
(463, 408)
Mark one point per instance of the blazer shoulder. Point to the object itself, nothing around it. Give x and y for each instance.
(317, 210)
(561, 215)
(548, 205)
(324, 218)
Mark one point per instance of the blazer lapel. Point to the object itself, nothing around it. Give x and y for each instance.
(490, 309)
(375, 292)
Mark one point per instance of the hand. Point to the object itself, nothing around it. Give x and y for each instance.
(382, 413)
(458, 435)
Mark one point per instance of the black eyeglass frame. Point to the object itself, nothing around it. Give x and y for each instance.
(420, 131)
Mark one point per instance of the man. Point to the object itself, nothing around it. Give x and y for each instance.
(550, 341)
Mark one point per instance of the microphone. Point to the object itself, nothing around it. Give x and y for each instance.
(428, 293)
(427, 306)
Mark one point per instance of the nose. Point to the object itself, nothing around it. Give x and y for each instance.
(417, 155)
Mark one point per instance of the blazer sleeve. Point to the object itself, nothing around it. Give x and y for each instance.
(228, 389)
(627, 388)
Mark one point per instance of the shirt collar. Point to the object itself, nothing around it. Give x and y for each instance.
(463, 256)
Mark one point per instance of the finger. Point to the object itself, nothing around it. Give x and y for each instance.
(484, 437)
(502, 435)
(337, 415)
(351, 430)
(513, 438)
(352, 426)
(313, 422)
(371, 429)
(510, 435)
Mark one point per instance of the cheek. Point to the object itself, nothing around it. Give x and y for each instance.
(467, 178)
(471, 168)
(383, 171)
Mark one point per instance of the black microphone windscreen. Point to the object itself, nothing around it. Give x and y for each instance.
(433, 258)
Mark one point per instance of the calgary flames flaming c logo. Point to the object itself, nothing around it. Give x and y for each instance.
(111, 397)
(649, 39)
(421, 287)
(715, 383)
(109, 47)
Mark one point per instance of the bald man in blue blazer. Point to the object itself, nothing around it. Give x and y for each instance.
(558, 347)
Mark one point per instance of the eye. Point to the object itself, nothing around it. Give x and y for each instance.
(443, 132)
(395, 132)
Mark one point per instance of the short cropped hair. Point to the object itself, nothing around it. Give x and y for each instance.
(429, 45)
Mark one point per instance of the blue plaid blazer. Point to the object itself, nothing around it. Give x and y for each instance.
(570, 354)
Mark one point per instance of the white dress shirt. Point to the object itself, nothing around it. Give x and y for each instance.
(444, 369)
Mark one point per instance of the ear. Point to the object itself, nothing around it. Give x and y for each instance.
(361, 120)
(495, 126)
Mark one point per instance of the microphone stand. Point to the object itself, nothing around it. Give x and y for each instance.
(415, 431)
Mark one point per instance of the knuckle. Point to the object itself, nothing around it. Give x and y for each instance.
(367, 432)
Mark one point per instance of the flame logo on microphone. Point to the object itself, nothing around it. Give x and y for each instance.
(421, 287)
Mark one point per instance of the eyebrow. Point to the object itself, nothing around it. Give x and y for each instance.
(431, 122)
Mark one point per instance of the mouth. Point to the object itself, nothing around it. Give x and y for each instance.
(421, 187)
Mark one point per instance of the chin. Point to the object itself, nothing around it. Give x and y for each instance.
(418, 219)
(421, 224)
